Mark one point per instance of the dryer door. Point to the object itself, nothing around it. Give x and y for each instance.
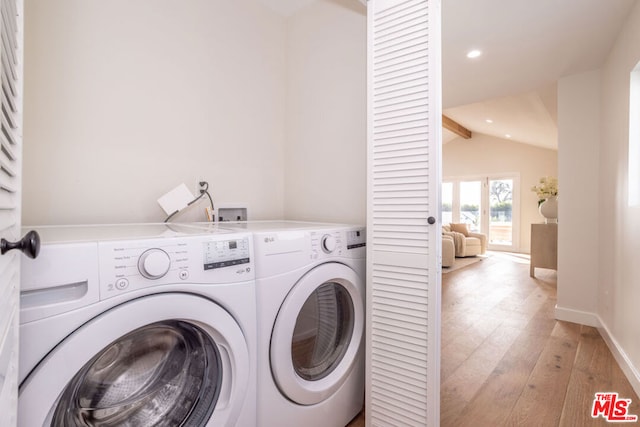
(317, 334)
(160, 360)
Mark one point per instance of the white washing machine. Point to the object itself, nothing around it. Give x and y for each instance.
(138, 325)
(310, 285)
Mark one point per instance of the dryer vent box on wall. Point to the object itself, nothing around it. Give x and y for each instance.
(232, 213)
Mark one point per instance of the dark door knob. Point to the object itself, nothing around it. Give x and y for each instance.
(29, 245)
(431, 220)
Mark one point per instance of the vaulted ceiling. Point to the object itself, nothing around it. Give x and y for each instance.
(526, 47)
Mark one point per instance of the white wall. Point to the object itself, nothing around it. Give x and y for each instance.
(325, 178)
(579, 106)
(488, 155)
(619, 284)
(126, 99)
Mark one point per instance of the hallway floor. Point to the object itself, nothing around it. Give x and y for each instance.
(507, 362)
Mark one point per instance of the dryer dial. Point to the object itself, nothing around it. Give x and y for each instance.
(154, 263)
(328, 243)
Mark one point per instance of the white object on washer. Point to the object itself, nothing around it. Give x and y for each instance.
(310, 286)
(176, 199)
(131, 324)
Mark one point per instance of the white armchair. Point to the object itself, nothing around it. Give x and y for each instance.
(448, 251)
(466, 243)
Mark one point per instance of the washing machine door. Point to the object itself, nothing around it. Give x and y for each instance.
(160, 360)
(318, 333)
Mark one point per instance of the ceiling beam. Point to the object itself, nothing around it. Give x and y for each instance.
(455, 127)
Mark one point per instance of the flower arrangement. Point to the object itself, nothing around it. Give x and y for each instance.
(548, 188)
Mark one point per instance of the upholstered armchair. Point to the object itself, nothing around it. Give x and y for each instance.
(448, 251)
(466, 243)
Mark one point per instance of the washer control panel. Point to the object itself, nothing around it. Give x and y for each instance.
(226, 253)
(130, 265)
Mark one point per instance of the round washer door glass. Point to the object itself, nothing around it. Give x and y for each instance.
(322, 332)
(317, 334)
(163, 374)
(163, 360)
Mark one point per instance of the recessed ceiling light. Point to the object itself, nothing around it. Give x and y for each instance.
(488, 120)
(508, 135)
(474, 53)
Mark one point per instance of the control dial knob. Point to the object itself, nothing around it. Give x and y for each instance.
(328, 243)
(154, 263)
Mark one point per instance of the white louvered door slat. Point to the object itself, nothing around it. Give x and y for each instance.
(11, 30)
(403, 190)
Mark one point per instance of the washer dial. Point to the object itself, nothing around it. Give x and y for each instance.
(154, 263)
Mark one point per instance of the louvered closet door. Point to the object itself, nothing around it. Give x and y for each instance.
(10, 200)
(404, 250)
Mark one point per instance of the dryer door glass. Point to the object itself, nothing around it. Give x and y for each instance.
(163, 374)
(323, 331)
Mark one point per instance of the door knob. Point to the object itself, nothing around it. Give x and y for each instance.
(431, 220)
(28, 245)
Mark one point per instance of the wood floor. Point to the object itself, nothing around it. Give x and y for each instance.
(507, 362)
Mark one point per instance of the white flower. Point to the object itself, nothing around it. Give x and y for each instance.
(548, 188)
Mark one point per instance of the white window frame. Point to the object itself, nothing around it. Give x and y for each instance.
(484, 202)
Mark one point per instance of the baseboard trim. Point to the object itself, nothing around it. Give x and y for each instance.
(591, 319)
(621, 357)
(577, 316)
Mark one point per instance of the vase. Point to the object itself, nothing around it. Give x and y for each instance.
(549, 210)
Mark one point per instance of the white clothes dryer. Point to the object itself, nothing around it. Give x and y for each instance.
(310, 286)
(138, 325)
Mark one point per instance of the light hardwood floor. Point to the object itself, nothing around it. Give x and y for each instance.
(507, 362)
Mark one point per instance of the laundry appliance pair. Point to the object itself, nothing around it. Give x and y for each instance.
(247, 324)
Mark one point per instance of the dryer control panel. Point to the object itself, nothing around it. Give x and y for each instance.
(130, 265)
(280, 252)
(356, 238)
(348, 243)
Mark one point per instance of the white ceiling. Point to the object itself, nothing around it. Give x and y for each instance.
(530, 117)
(527, 46)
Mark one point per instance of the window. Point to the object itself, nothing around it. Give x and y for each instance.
(447, 202)
(487, 204)
(501, 211)
(471, 205)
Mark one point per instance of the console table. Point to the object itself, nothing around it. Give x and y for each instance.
(544, 247)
